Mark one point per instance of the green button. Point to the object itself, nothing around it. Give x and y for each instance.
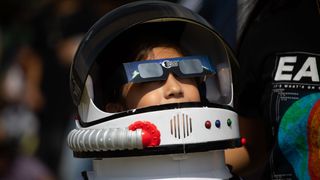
(229, 122)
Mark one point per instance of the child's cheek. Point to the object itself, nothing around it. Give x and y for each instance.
(149, 99)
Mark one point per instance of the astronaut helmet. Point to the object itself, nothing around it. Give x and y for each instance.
(109, 57)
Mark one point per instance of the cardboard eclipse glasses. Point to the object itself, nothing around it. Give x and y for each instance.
(158, 70)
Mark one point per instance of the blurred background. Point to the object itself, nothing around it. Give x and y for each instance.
(38, 39)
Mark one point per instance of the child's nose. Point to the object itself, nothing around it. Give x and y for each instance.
(173, 88)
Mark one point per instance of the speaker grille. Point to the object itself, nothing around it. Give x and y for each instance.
(181, 126)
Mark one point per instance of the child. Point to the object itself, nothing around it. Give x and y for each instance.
(154, 93)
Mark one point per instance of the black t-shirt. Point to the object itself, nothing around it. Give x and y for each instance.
(279, 83)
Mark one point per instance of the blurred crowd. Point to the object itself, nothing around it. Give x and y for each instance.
(38, 39)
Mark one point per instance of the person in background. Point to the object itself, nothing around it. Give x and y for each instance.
(19, 125)
(279, 55)
(20, 96)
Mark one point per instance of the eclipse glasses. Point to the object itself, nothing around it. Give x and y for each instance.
(158, 70)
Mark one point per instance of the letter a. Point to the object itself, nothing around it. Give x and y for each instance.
(304, 72)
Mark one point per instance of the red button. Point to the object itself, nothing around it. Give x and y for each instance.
(208, 124)
(243, 141)
(150, 133)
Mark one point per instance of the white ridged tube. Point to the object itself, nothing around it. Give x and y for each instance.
(84, 140)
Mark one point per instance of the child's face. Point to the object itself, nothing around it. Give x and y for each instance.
(172, 90)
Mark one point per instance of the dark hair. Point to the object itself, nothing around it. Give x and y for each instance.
(143, 50)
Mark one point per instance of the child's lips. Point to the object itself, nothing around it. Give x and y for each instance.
(176, 101)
